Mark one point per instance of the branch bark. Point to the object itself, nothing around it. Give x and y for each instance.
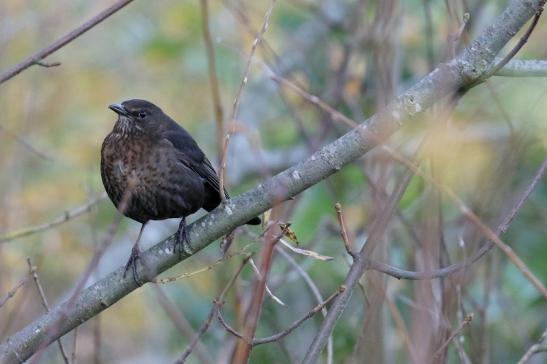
(37, 57)
(441, 82)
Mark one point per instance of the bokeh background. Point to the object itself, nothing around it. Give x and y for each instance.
(354, 55)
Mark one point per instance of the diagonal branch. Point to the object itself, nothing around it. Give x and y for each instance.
(441, 82)
(68, 215)
(36, 58)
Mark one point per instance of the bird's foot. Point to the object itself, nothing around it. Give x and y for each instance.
(132, 263)
(182, 243)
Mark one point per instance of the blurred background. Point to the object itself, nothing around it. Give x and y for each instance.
(354, 55)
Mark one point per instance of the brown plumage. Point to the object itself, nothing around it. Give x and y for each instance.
(152, 169)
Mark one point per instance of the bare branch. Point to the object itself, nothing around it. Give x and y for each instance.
(13, 291)
(314, 289)
(343, 230)
(34, 275)
(200, 270)
(61, 42)
(287, 331)
(357, 269)
(518, 46)
(218, 301)
(243, 349)
(443, 272)
(181, 323)
(213, 79)
(25, 144)
(466, 321)
(68, 215)
(237, 99)
(47, 65)
(536, 348)
(523, 68)
(298, 322)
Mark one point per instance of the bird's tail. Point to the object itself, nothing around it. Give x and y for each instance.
(254, 221)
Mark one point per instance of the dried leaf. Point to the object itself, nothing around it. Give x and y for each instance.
(308, 253)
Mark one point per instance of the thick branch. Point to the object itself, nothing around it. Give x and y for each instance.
(442, 81)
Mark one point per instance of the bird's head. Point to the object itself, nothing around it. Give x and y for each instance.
(137, 116)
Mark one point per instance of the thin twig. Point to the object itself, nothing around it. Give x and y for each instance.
(477, 222)
(305, 252)
(243, 349)
(13, 291)
(61, 42)
(181, 323)
(335, 115)
(442, 272)
(538, 347)
(237, 99)
(74, 356)
(518, 46)
(466, 321)
(53, 328)
(33, 273)
(200, 270)
(268, 290)
(358, 267)
(27, 145)
(97, 340)
(67, 216)
(283, 333)
(297, 323)
(46, 64)
(213, 79)
(343, 230)
(207, 323)
(400, 324)
(314, 289)
(428, 30)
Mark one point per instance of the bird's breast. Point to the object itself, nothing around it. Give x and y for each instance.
(159, 185)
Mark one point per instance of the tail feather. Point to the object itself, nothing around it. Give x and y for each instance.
(254, 221)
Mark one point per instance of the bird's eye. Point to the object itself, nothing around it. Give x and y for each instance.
(142, 115)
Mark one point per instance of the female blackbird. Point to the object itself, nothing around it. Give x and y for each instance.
(152, 169)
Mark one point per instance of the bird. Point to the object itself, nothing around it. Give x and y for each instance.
(152, 169)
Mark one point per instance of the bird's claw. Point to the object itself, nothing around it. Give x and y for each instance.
(182, 242)
(132, 263)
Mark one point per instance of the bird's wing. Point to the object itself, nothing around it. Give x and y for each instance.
(191, 155)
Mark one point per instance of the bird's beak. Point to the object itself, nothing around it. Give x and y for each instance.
(119, 109)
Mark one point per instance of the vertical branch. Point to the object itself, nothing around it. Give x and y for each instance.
(74, 354)
(356, 271)
(429, 34)
(181, 323)
(32, 272)
(235, 108)
(213, 79)
(244, 347)
(212, 313)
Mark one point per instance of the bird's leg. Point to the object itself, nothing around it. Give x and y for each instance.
(182, 243)
(135, 255)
